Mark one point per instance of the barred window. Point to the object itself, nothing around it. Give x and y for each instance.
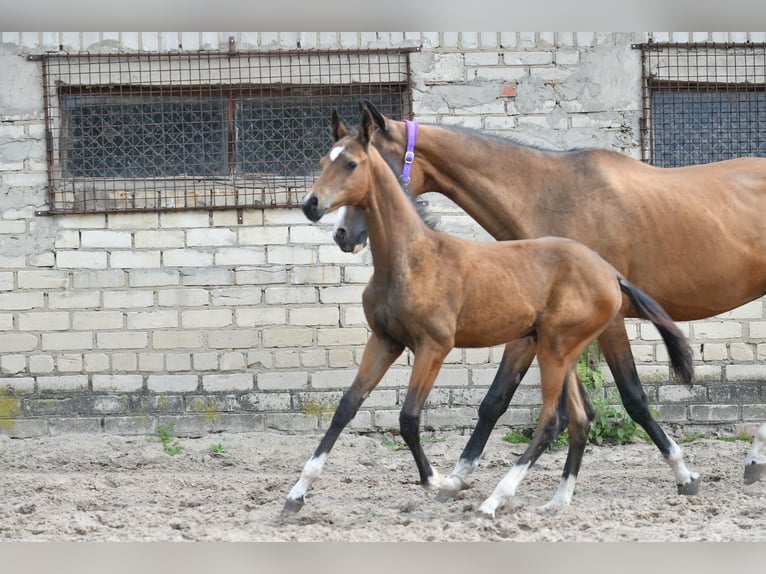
(703, 102)
(207, 130)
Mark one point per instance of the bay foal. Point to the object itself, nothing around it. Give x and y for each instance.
(432, 292)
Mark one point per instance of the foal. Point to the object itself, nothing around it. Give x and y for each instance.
(432, 292)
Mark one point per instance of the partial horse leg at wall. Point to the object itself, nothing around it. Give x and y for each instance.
(378, 356)
(615, 346)
(755, 463)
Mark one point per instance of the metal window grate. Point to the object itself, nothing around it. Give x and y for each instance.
(702, 102)
(205, 130)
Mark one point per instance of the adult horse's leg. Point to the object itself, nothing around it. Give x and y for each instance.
(517, 357)
(615, 346)
(755, 463)
(378, 356)
(580, 417)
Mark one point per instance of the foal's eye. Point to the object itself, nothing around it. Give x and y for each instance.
(351, 164)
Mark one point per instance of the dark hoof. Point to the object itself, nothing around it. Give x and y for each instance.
(754, 472)
(292, 506)
(690, 488)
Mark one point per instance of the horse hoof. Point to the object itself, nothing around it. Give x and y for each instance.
(754, 472)
(486, 512)
(292, 505)
(691, 488)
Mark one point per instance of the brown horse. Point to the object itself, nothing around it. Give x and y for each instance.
(692, 238)
(431, 292)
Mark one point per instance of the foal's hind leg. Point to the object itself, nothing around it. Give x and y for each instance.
(580, 418)
(552, 373)
(615, 346)
(378, 356)
(517, 357)
(755, 464)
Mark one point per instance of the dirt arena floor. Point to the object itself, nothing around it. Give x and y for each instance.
(113, 488)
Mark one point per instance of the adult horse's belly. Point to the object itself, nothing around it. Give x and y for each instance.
(700, 250)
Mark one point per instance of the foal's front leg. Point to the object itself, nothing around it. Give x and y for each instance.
(428, 360)
(378, 356)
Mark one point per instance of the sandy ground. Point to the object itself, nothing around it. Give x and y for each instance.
(101, 487)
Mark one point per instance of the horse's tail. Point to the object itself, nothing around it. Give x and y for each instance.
(678, 347)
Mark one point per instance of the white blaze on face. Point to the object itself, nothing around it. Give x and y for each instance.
(335, 152)
(340, 218)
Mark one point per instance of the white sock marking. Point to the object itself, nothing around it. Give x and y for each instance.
(505, 489)
(464, 467)
(311, 471)
(563, 496)
(676, 461)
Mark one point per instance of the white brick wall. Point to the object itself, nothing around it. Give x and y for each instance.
(163, 307)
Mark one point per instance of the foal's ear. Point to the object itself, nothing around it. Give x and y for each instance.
(380, 119)
(337, 127)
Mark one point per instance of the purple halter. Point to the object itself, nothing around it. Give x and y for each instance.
(409, 155)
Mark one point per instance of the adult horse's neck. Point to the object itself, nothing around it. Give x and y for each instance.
(472, 182)
(394, 225)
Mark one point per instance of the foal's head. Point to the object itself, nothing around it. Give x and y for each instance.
(344, 178)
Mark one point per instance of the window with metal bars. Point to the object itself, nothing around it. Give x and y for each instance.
(205, 130)
(702, 102)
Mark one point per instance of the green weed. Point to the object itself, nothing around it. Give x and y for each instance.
(515, 437)
(692, 437)
(217, 449)
(611, 423)
(743, 436)
(165, 436)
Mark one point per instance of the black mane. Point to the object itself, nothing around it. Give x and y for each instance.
(425, 214)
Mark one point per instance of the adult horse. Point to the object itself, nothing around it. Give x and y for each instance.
(431, 292)
(691, 237)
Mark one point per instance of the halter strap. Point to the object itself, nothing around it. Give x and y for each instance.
(409, 155)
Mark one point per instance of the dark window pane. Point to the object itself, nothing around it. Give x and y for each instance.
(700, 127)
(288, 135)
(143, 137)
(206, 129)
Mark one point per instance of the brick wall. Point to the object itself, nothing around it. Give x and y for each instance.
(118, 323)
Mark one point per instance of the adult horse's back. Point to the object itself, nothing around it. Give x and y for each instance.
(692, 237)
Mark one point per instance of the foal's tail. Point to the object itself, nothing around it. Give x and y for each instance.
(678, 347)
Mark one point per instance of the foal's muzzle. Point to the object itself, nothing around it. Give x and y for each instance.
(310, 205)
